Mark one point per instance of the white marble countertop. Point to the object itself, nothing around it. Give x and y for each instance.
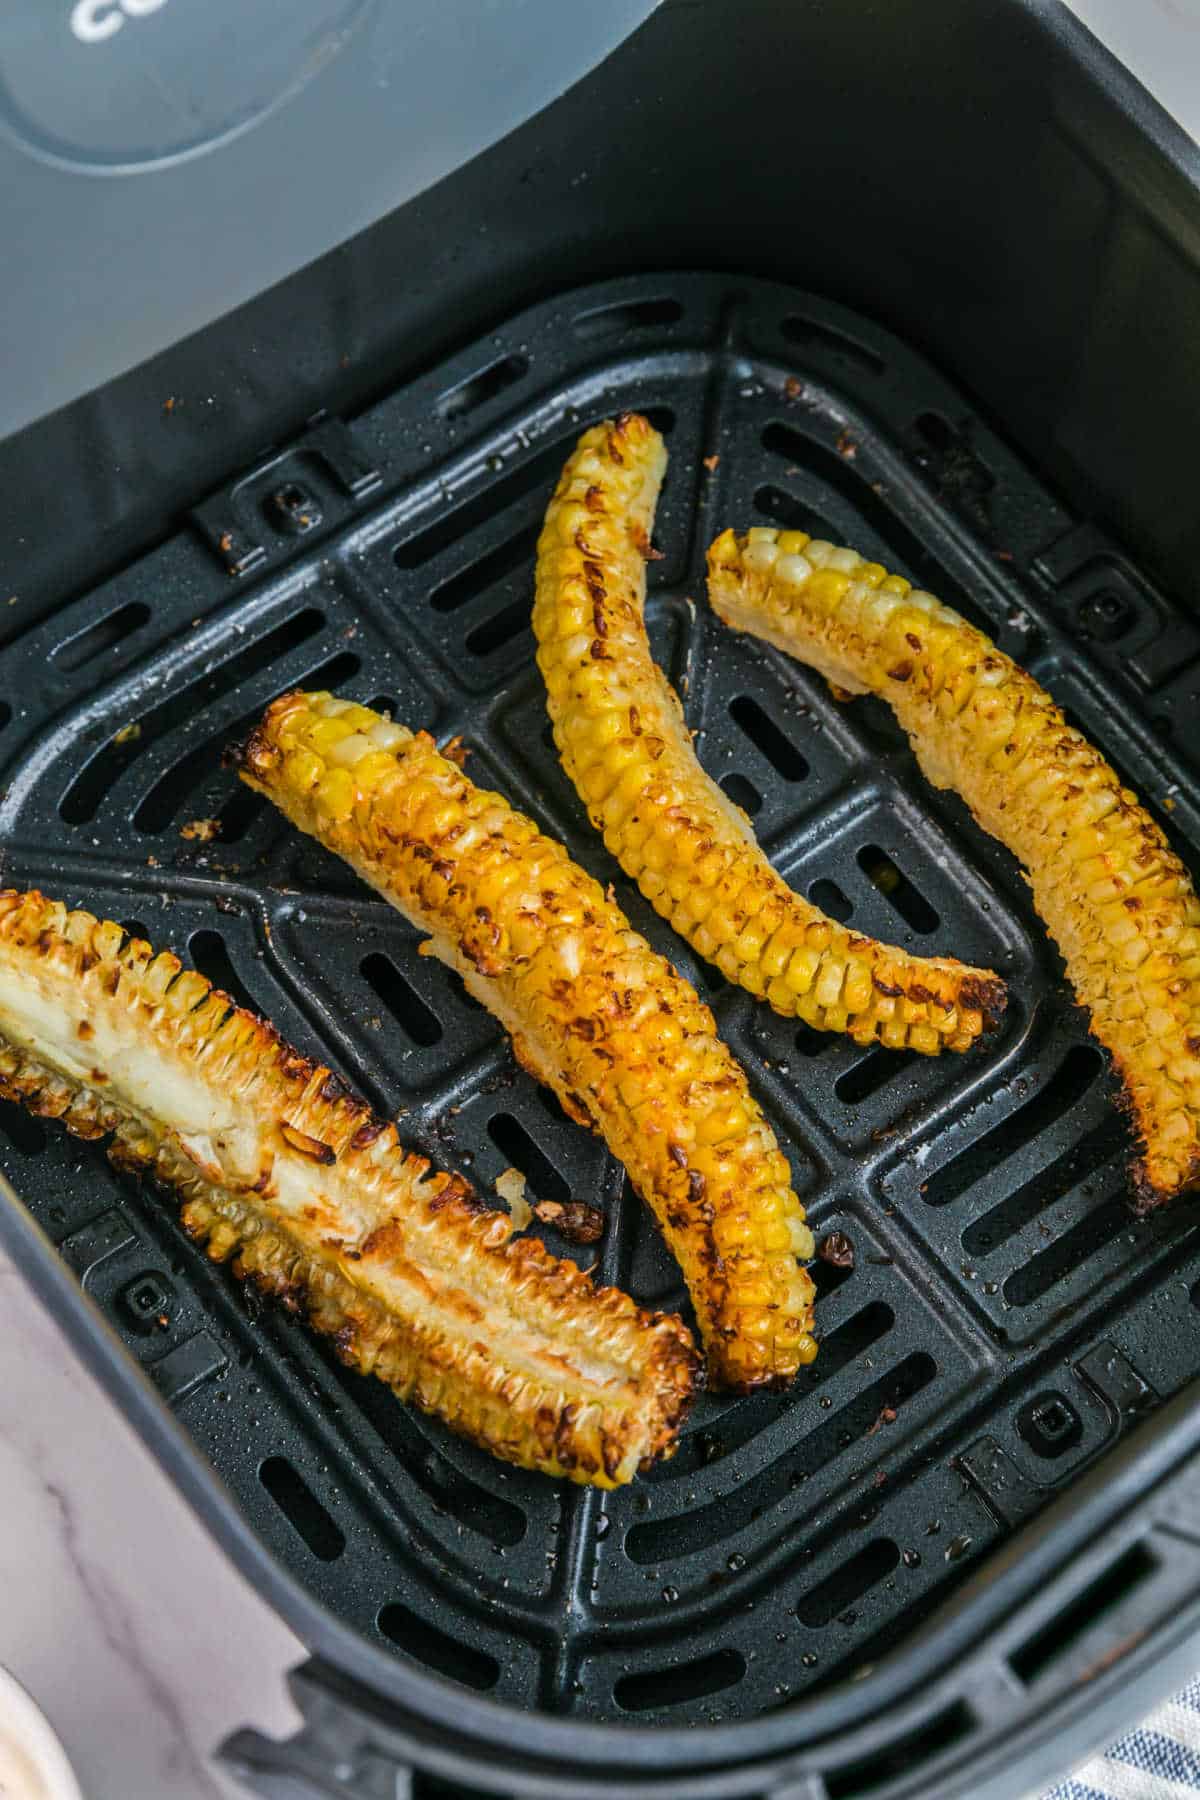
(133, 1633)
(118, 1613)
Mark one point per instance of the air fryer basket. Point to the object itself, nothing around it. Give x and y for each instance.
(997, 1429)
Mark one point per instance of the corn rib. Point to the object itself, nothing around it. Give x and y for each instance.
(1117, 901)
(279, 1166)
(620, 732)
(592, 1011)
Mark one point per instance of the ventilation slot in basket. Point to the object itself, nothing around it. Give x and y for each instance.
(629, 315)
(90, 787)
(877, 1068)
(683, 1534)
(479, 576)
(524, 1153)
(828, 896)
(448, 1656)
(811, 336)
(793, 514)
(1069, 1252)
(417, 1020)
(209, 954)
(766, 736)
(500, 628)
(1070, 1081)
(899, 892)
(856, 1577)
(839, 1347)
(25, 1133)
(485, 507)
(301, 1508)
(104, 635)
(1002, 1222)
(654, 1688)
(742, 792)
(470, 395)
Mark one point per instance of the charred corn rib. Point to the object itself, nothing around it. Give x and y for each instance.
(1117, 901)
(621, 734)
(621, 1038)
(279, 1166)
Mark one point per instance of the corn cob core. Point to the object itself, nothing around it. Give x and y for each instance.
(623, 1040)
(1118, 902)
(620, 732)
(279, 1166)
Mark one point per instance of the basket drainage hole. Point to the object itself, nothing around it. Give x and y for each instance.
(652, 1688)
(743, 793)
(5, 713)
(512, 1140)
(436, 1649)
(765, 734)
(301, 1508)
(897, 889)
(829, 897)
(414, 1017)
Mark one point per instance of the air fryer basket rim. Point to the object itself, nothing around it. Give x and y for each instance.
(910, 1686)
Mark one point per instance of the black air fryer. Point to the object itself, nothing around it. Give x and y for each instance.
(304, 305)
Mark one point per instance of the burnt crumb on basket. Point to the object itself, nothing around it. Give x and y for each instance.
(836, 1249)
(575, 1220)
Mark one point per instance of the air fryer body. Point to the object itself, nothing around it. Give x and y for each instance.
(921, 275)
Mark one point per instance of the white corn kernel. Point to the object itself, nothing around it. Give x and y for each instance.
(350, 750)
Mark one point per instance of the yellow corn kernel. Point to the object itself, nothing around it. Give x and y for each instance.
(336, 793)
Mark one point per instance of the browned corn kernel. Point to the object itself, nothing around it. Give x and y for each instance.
(622, 1039)
(1117, 901)
(620, 732)
(418, 1280)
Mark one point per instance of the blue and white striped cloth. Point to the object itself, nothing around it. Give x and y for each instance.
(1158, 1761)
